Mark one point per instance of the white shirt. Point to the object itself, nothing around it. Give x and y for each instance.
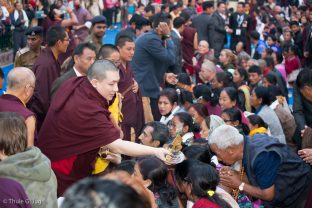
(5, 13)
(77, 72)
(177, 32)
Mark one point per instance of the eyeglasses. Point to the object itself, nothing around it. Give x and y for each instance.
(226, 121)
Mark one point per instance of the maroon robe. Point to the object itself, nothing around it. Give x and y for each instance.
(11, 103)
(76, 126)
(46, 69)
(188, 44)
(132, 107)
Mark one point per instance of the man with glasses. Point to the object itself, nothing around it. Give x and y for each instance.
(26, 57)
(83, 57)
(47, 69)
(98, 30)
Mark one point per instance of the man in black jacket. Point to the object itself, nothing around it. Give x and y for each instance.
(240, 24)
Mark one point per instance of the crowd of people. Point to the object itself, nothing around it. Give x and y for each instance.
(196, 104)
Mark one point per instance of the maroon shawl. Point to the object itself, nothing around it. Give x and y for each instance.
(77, 122)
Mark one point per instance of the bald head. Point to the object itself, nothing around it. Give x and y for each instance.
(99, 69)
(19, 77)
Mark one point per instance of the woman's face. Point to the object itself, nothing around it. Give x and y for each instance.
(197, 118)
(223, 57)
(237, 77)
(164, 105)
(138, 175)
(176, 126)
(225, 101)
(203, 47)
(204, 129)
(254, 100)
(226, 118)
(215, 84)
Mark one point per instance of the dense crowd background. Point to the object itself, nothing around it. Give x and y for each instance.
(196, 104)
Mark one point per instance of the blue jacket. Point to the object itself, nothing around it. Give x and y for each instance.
(150, 62)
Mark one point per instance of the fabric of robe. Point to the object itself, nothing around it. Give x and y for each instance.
(76, 126)
(46, 69)
(132, 107)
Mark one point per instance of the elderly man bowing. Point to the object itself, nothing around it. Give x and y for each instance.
(274, 173)
(20, 88)
(78, 125)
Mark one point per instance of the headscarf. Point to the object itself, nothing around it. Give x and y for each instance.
(215, 121)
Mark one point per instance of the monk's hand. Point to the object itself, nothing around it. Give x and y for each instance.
(161, 153)
(135, 87)
(230, 179)
(171, 78)
(306, 155)
(113, 157)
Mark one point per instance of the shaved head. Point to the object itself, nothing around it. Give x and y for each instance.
(99, 68)
(19, 77)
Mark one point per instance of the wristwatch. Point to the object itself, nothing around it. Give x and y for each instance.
(241, 186)
(167, 36)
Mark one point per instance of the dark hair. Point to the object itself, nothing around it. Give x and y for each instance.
(220, 2)
(269, 61)
(271, 78)
(171, 94)
(199, 152)
(207, 4)
(202, 177)
(121, 42)
(200, 109)
(232, 93)
(178, 22)
(262, 93)
(13, 133)
(279, 57)
(155, 170)
(149, 8)
(78, 51)
(106, 51)
(187, 120)
(243, 73)
(184, 78)
(54, 34)
(161, 17)
(94, 192)
(255, 35)
(185, 15)
(140, 22)
(241, 3)
(51, 13)
(160, 132)
(235, 115)
(273, 37)
(257, 120)
(125, 165)
(226, 78)
(304, 78)
(294, 23)
(255, 69)
(273, 92)
(208, 94)
(294, 49)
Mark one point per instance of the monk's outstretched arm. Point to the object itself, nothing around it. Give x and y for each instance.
(135, 150)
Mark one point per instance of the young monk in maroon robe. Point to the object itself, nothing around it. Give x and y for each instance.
(78, 125)
(47, 69)
(132, 107)
(20, 88)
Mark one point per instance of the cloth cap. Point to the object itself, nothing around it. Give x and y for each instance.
(34, 31)
(98, 19)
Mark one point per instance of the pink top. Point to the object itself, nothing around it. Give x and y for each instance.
(282, 70)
